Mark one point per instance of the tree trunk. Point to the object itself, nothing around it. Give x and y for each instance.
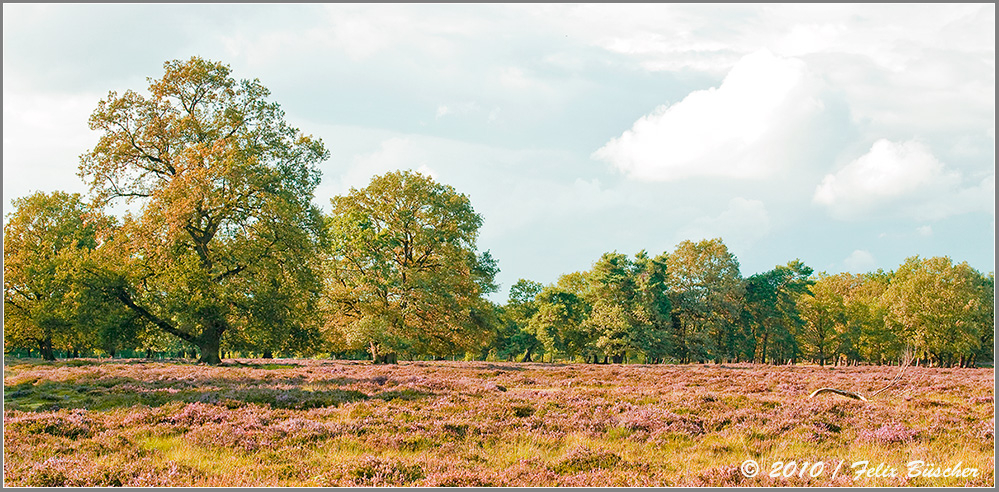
(210, 341)
(389, 358)
(209, 348)
(527, 356)
(379, 358)
(763, 353)
(618, 358)
(45, 346)
(268, 354)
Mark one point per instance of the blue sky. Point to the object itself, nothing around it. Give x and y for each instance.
(849, 136)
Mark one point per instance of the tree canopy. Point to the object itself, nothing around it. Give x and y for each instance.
(44, 239)
(225, 188)
(404, 274)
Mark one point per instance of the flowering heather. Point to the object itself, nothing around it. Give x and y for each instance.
(342, 423)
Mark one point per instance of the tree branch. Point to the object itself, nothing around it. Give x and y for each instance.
(126, 299)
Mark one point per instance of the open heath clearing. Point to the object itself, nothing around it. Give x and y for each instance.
(85, 422)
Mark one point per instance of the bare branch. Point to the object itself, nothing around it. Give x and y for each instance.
(906, 361)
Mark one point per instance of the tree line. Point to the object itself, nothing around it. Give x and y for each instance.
(692, 305)
(224, 253)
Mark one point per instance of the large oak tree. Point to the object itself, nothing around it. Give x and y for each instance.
(224, 188)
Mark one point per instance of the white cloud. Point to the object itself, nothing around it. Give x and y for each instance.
(393, 154)
(925, 231)
(741, 224)
(745, 128)
(454, 109)
(860, 261)
(903, 176)
(43, 138)
(543, 201)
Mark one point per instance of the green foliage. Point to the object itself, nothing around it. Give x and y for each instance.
(403, 274)
(226, 188)
(630, 306)
(824, 313)
(557, 324)
(772, 306)
(937, 306)
(706, 292)
(46, 303)
(514, 338)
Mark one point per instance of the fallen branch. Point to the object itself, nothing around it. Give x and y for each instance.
(907, 357)
(848, 394)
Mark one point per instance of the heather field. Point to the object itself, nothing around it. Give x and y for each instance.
(334, 423)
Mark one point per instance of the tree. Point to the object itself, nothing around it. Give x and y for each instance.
(985, 322)
(611, 293)
(866, 335)
(823, 312)
(652, 306)
(516, 339)
(706, 291)
(772, 300)
(404, 274)
(936, 306)
(558, 322)
(630, 306)
(44, 238)
(225, 187)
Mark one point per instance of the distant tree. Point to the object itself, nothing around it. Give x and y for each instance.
(225, 186)
(867, 335)
(43, 240)
(652, 306)
(557, 324)
(516, 340)
(936, 306)
(280, 317)
(824, 314)
(629, 307)
(404, 274)
(611, 322)
(772, 300)
(985, 322)
(706, 294)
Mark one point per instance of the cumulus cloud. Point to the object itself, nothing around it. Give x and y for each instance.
(737, 130)
(860, 261)
(901, 176)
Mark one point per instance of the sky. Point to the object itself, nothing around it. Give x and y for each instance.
(847, 136)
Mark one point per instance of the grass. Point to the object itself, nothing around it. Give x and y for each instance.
(341, 423)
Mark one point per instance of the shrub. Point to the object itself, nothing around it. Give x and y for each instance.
(581, 459)
(377, 471)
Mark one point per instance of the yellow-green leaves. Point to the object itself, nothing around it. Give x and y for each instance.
(225, 186)
(44, 240)
(403, 271)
